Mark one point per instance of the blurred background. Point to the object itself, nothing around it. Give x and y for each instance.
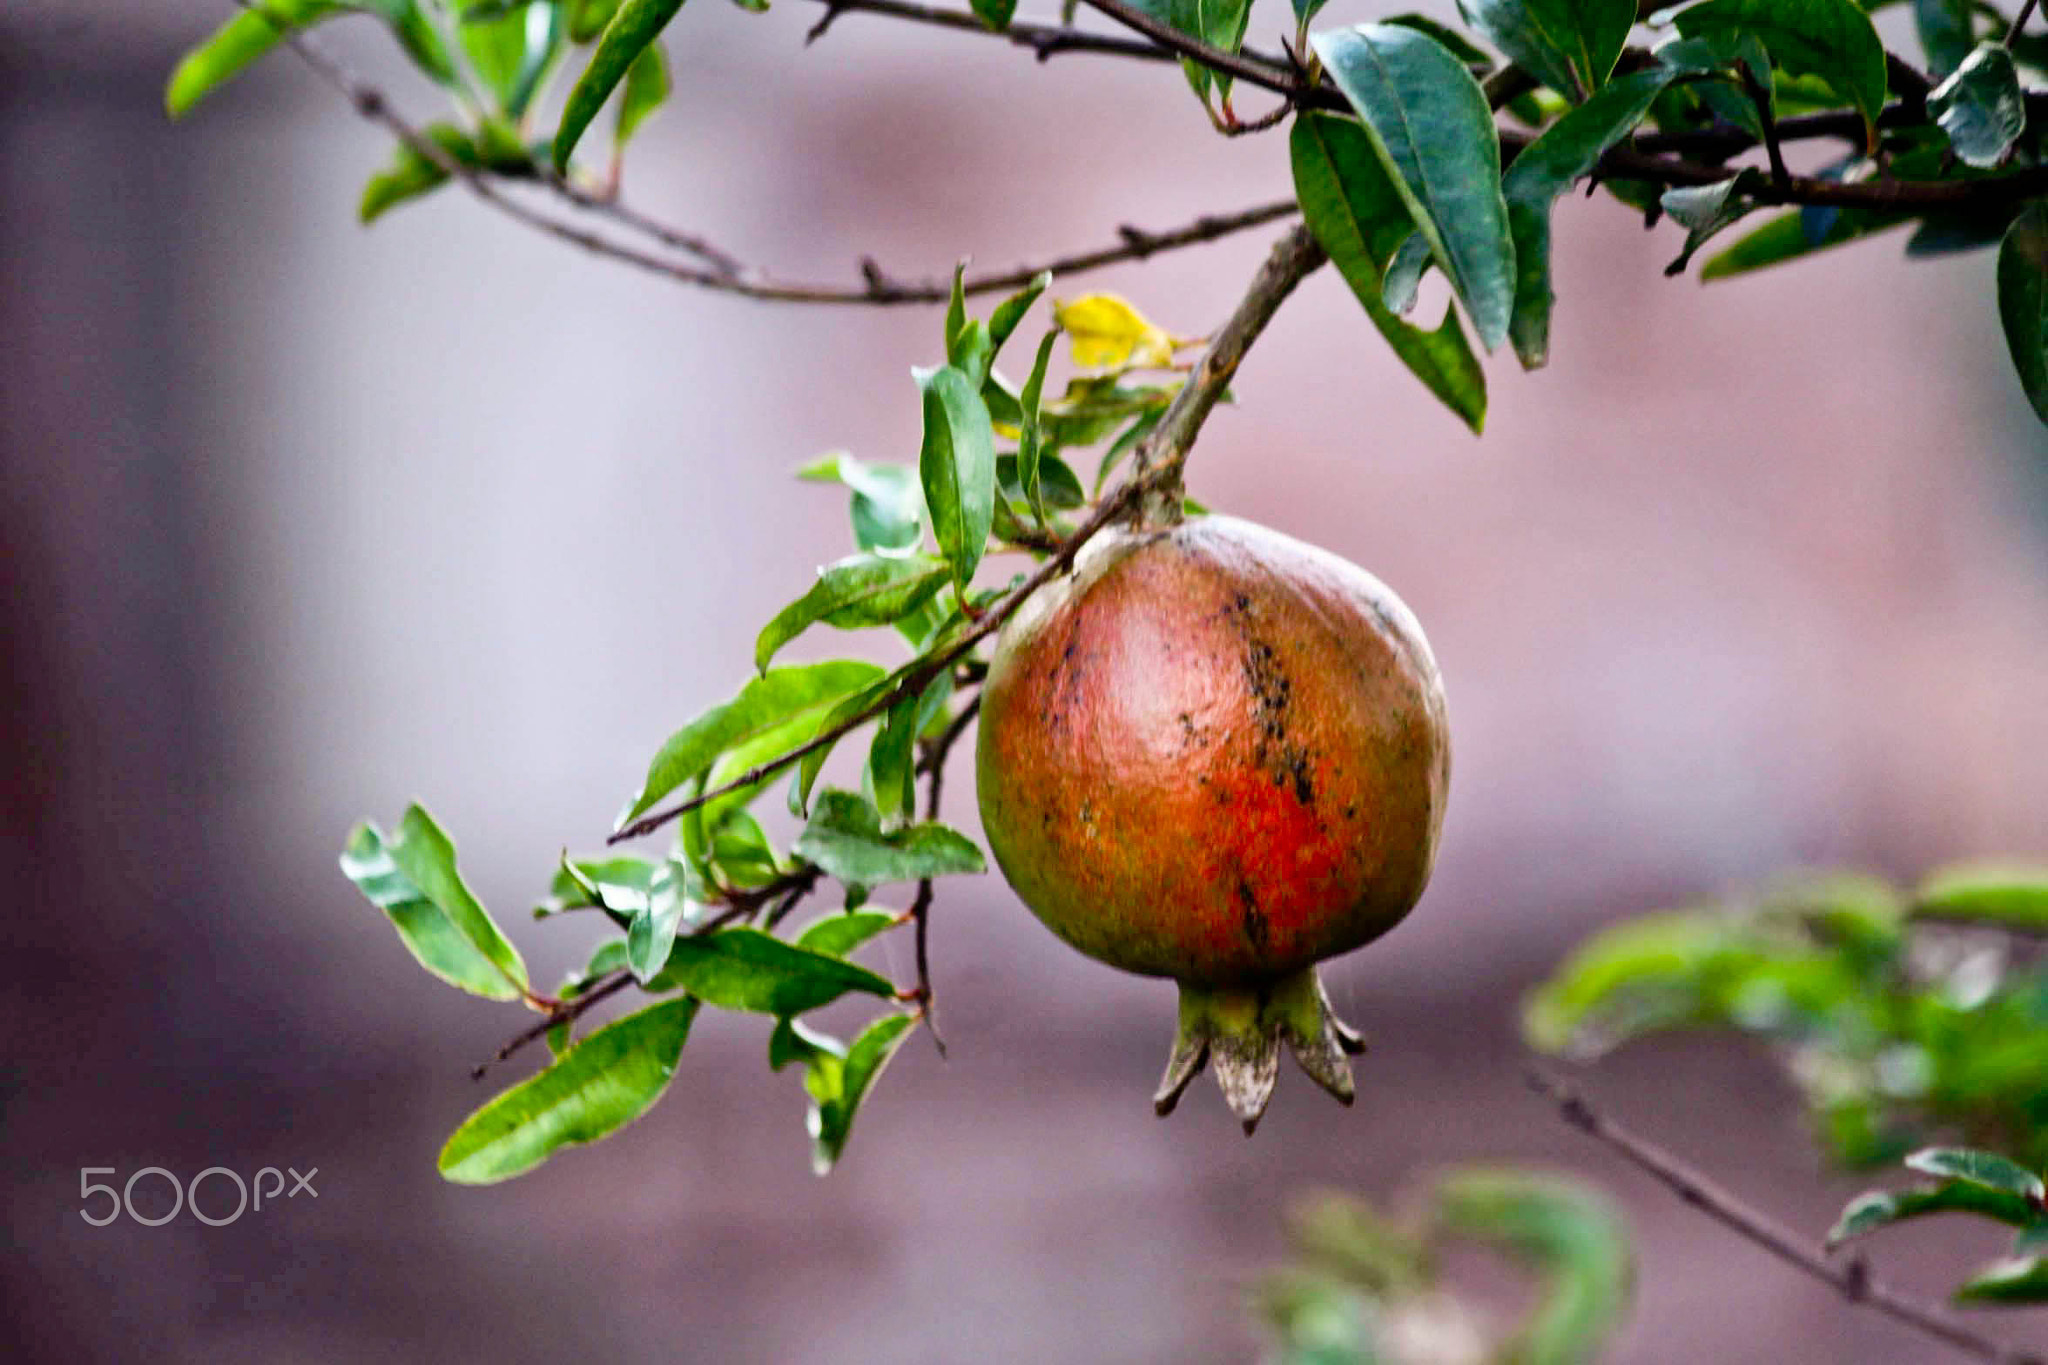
(302, 521)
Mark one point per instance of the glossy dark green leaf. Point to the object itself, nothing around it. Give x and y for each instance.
(1946, 33)
(1547, 168)
(1866, 1213)
(840, 933)
(1569, 45)
(859, 591)
(1031, 439)
(1703, 211)
(1305, 10)
(832, 1121)
(595, 1088)
(995, 13)
(235, 45)
(1571, 1236)
(845, 838)
(1831, 39)
(647, 88)
(745, 969)
(776, 698)
(636, 25)
(2023, 301)
(510, 48)
(2016, 1280)
(1980, 107)
(1430, 125)
(412, 878)
(411, 174)
(957, 468)
(1988, 1169)
(2014, 895)
(1351, 204)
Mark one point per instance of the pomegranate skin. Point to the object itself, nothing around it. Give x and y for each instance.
(1214, 753)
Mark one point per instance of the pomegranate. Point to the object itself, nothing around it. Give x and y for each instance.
(1217, 754)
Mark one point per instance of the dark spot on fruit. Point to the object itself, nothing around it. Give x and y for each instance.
(1297, 767)
(1254, 918)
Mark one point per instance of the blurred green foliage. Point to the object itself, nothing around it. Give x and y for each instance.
(1902, 1016)
(1368, 1288)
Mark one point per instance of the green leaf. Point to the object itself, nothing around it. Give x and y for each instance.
(453, 946)
(1980, 107)
(636, 25)
(1619, 965)
(776, 698)
(1569, 45)
(1793, 235)
(235, 45)
(2012, 895)
(745, 969)
(1404, 273)
(1010, 312)
(995, 13)
(1059, 487)
(597, 1087)
(2020, 1279)
(1946, 33)
(2023, 301)
(1219, 23)
(1031, 439)
(845, 838)
(957, 467)
(888, 506)
(1430, 125)
(1547, 168)
(652, 931)
(832, 1120)
(1979, 1168)
(510, 48)
(1353, 207)
(1831, 39)
(1703, 211)
(1868, 1212)
(863, 590)
(1571, 1236)
(841, 932)
(970, 347)
(647, 88)
(410, 174)
(587, 18)
(2032, 1239)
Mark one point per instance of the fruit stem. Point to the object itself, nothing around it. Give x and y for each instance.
(1240, 1029)
(1160, 456)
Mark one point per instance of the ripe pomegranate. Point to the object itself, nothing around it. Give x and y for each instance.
(1217, 754)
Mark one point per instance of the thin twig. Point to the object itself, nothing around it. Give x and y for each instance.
(2019, 22)
(727, 274)
(1045, 40)
(1852, 1277)
(1159, 459)
(786, 890)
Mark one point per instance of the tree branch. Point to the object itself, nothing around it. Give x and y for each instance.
(1159, 460)
(1852, 1277)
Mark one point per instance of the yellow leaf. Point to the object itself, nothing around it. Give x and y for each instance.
(1106, 332)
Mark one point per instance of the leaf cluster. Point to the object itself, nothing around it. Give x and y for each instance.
(703, 926)
(1902, 1017)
